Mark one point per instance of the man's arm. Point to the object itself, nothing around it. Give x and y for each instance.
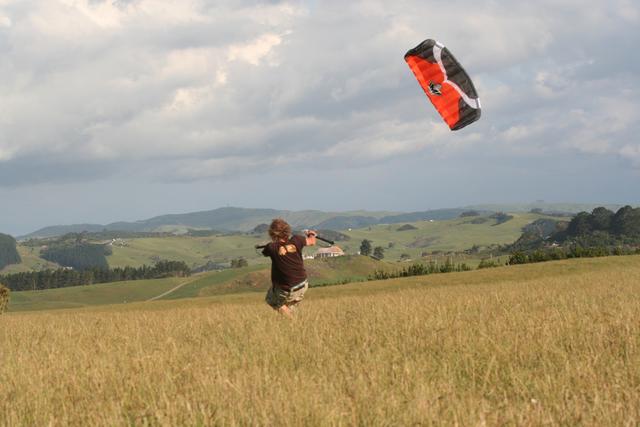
(265, 251)
(311, 237)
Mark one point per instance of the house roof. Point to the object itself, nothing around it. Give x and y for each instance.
(330, 250)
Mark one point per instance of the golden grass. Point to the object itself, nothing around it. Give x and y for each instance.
(512, 346)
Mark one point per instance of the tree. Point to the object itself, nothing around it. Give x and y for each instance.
(378, 252)
(580, 225)
(601, 219)
(626, 222)
(81, 256)
(365, 247)
(8, 251)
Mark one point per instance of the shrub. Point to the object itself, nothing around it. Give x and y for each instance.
(4, 298)
(501, 217)
(239, 263)
(518, 258)
(378, 252)
(420, 270)
(488, 263)
(407, 227)
(538, 256)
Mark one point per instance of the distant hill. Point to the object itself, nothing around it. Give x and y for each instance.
(360, 221)
(59, 230)
(200, 248)
(346, 222)
(436, 215)
(246, 219)
(545, 207)
(223, 219)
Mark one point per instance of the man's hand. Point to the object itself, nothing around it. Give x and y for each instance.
(311, 237)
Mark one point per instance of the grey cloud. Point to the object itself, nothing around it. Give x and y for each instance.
(166, 90)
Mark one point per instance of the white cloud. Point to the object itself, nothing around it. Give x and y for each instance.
(5, 21)
(254, 51)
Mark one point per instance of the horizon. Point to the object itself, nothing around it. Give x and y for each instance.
(116, 111)
(521, 205)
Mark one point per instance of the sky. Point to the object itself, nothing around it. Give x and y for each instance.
(126, 109)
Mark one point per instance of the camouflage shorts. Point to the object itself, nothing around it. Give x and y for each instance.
(277, 297)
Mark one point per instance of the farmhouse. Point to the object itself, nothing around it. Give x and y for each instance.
(329, 252)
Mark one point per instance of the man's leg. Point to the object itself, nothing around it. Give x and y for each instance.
(286, 311)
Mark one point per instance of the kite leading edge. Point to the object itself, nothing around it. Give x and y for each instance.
(445, 82)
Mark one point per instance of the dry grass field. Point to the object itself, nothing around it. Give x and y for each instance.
(547, 344)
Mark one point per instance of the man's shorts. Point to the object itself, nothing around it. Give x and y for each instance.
(277, 297)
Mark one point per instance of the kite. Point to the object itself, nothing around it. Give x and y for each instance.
(445, 82)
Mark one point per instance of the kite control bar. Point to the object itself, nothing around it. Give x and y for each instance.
(331, 242)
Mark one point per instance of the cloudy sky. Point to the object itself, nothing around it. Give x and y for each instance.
(126, 109)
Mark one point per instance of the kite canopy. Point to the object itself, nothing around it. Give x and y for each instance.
(445, 82)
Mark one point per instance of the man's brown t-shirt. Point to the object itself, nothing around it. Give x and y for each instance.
(287, 267)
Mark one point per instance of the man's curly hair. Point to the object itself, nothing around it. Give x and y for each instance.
(279, 229)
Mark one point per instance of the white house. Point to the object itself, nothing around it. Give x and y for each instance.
(329, 252)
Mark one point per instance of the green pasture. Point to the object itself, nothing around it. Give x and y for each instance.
(446, 236)
(99, 294)
(252, 278)
(451, 235)
(207, 289)
(257, 278)
(195, 251)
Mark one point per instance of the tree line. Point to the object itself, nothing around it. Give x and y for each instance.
(601, 228)
(574, 251)
(421, 270)
(65, 277)
(599, 233)
(80, 256)
(604, 225)
(8, 251)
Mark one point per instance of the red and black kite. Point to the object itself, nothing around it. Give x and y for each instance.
(445, 82)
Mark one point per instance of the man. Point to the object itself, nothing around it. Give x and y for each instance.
(288, 276)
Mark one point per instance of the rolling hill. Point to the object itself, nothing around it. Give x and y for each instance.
(245, 219)
(398, 241)
(224, 219)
